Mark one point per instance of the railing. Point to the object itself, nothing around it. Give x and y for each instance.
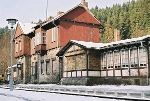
(126, 94)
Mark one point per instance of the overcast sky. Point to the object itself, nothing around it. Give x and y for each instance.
(33, 10)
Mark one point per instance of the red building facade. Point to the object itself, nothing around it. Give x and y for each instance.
(50, 36)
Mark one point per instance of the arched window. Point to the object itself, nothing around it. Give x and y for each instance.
(117, 58)
(133, 57)
(142, 56)
(124, 58)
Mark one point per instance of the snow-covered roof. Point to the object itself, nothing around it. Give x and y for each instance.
(26, 27)
(127, 41)
(92, 45)
(87, 45)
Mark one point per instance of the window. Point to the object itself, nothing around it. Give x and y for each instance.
(33, 68)
(43, 38)
(133, 57)
(37, 38)
(47, 67)
(117, 59)
(53, 66)
(42, 66)
(103, 60)
(142, 56)
(20, 44)
(124, 59)
(33, 43)
(53, 34)
(110, 59)
(16, 47)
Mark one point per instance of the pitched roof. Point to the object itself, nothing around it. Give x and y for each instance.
(61, 15)
(92, 45)
(83, 44)
(26, 27)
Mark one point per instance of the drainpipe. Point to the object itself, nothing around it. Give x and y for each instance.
(58, 65)
(57, 32)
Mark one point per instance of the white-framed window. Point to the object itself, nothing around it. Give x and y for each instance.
(117, 59)
(133, 57)
(43, 37)
(16, 49)
(109, 59)
(33, 43)
(38, 38)
(142, 56)
(20, 45)
(53, 34)
(103, 60)
(124, 58)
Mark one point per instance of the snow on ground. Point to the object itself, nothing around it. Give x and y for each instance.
(20, 95)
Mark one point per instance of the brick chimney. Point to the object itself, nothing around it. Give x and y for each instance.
(116, 35)
(49, 18)
(59, 12)
(84, 3)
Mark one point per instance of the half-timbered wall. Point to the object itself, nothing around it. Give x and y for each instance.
(131, 61)
(74, 62)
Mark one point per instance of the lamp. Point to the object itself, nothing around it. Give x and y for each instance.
(19, 65)
(11, 22)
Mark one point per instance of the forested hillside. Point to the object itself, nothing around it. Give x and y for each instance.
(131, 18)
(4, 49)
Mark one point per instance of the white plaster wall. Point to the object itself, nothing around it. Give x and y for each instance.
(69, 74)
(78, 73)
(103, 73)
(94, 73)
(84, 73)
(125, 72)
(143, 71)
(74, 74)
(117, 72)
(110, 73)
(64, 74)
(133, 72)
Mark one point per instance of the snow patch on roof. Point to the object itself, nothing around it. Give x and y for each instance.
(111, 44)
(26, 27)
(88, 44)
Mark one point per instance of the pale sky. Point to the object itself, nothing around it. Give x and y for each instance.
(33, 10)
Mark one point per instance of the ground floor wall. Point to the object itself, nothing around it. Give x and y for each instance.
(89, 81)
(24, 72)
(45, 68)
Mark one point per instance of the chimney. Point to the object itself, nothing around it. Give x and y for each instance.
(59, 12)
(49, 18)
(116, 35)
(84, 3)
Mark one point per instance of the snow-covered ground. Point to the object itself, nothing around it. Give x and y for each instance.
(20, 95)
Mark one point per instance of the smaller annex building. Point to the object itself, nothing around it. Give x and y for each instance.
(121, 62)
